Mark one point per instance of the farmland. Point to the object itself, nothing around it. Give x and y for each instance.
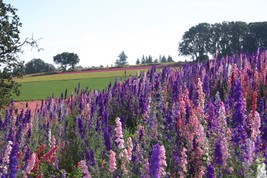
(198, 120)
(43, 86)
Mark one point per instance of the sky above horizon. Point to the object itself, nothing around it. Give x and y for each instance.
(99, 30)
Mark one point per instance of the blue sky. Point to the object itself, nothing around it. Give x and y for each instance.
(98, 30)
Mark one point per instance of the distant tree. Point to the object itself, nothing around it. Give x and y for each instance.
(137, 61)
(163, 59)
(169, 59)
(221, 39)
(143, 61)
(196, 42)
(66, 59)
(257, 36)
(156, 61)
(149, 60)
(49, 67)
(10, 46)
(122, 59)
(38, 66)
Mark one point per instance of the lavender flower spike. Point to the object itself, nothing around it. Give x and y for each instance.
(154, 163)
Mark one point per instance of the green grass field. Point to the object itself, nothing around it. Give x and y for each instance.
(42, 87)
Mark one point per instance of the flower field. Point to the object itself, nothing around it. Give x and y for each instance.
(198, 120)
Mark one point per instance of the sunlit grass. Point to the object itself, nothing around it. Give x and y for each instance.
(42, 87)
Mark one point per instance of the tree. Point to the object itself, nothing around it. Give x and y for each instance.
(143, 61)
(257, 36)
(137, 61)
(163, 59)
(122, 59)
(196, 42)
(38, 66)
(169, 59)
(65, 59)
(10, 46)
(149, 60)
(221, 39)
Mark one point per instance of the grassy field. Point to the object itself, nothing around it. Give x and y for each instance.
(42, 87)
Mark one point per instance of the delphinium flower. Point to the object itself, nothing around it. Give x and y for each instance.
(206, 85)
(86, 173)
(221, 152)
(154, 162)
(163, 163)
(49, 137)
(26, 158)
(112, 161)
(92, 160)
(14, 161)
(30, 165)
(201, 97)
(19, 133)
(250, 152)
(64, 174)
(130, 148)
(81, 127)
(261, 107)
(147, 166)
(107, 139)
(50, 156)
(6, 157)
(119, 134)
(238, 118)
(210, 171)
(211, 128)
(255, 125)
(183, 162)
(124, 160)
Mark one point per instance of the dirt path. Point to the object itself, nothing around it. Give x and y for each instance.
(32, 105)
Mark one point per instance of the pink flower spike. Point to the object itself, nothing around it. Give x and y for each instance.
(86, 173)
(130, 148)
(119, 135)
(31, 163)
(112, 161)
(163, 163)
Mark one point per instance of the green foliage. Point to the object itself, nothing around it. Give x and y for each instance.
(10, 46)
(65, 59)
(196, 41)
(223, 39)
(137, 61)
(122, 60)
(38, 66)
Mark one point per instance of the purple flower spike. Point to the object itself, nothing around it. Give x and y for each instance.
(210, 171)
(154, 165)
(14, 161)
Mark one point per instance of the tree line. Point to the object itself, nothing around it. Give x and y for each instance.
(221, 39)
(37, 65)
(149, 60)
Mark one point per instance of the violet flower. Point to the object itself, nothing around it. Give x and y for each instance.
(14, 161)
(107, 139)
(210, 171)
(206, 85)
(81, 127)
(154, 163)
